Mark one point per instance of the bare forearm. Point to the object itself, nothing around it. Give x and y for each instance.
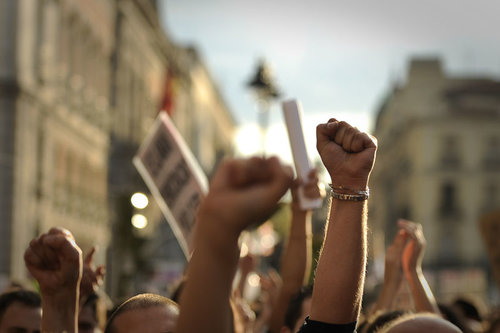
(208, 288)
(297, 256)
(387, 296)
(295, 265)
(60, 313)
(341, 268)
(422, 294)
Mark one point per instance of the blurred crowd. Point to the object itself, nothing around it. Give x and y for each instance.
(213, 294)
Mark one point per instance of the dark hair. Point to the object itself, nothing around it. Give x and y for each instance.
(449, 313)
(141, 301)
(468, 307)
(295, 306)
(25, 297)
(380, 319)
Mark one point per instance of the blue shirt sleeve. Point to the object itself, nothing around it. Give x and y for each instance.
(313, 326)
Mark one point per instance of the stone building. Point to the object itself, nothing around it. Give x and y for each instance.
(152, 73)
(199, 111)
(54, 120)
(438, 164)
(81, 82)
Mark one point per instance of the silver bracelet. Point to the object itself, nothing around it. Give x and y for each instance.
(338, 192)
(350, 197)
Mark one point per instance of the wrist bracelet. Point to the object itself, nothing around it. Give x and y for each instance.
(350, 197)
(339, 192)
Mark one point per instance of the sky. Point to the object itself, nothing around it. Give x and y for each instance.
(338, 58)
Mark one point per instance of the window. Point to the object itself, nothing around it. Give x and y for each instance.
(448, 207)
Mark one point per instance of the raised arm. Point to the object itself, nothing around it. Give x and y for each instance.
(92, 276)
(242, 193)
(297, 257)
(55, 261)
(413, 254)
(348, 156)
(393, 273)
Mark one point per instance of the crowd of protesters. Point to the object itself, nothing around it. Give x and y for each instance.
(243, 193)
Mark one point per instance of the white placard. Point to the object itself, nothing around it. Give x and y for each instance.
(292, 112)
(173, 176)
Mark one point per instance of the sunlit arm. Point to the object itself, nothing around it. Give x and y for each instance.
(421, 292)
(341, 268)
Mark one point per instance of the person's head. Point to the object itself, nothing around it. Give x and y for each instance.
(20, 310)
(144, 313)
(455, 317)
(470, 311)
(420, 322)
(468, 308)
(298, 309)
(380, 319)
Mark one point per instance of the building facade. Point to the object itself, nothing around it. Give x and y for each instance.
(438, 164)
(54, 122)
(81, 82)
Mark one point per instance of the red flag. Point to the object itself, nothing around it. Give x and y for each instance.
(168, 97)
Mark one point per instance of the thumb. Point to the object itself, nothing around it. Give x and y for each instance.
(90, 256)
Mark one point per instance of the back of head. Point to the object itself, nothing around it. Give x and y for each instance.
(142, 302)
(468, 307)
(420, 322)
(380, 319)
(25, 297)
(455, 317)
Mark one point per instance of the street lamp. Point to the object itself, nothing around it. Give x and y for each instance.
(139, 201)
(265, 91)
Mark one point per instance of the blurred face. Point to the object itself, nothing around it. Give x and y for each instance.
(20, 318)
(149, 320)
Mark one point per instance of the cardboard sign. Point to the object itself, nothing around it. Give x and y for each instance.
(489, 225)
(173, 176)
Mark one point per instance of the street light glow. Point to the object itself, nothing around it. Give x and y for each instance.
(139, 221)
(139, 200)
(254, 280)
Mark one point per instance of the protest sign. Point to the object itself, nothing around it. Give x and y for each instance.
(292, 112)
(173, 176)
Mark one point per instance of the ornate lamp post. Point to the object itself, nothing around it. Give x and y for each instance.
(265, 91)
